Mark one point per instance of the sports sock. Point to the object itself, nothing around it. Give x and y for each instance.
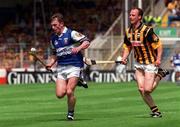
(154, 109)
(71, 112)
(159, 76)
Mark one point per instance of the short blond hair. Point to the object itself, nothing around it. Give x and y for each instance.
(57, 16)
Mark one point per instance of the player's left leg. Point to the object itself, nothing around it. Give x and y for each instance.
(149, 80)
(71, 100)
(144, 82)
(160, 74)
(81, 81)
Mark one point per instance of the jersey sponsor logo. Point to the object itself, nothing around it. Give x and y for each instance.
(136, 43)
(65, 40)
(64, 51)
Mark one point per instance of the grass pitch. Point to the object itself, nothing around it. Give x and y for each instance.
(105, 104)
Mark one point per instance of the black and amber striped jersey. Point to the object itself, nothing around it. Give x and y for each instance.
(144, 42)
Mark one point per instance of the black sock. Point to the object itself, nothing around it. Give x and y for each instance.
(154, 109)
(71, 112)
(159, 76)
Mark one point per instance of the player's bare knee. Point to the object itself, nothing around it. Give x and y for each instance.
(60, 95)
(141, 90)
(148, 91)
(69, 92)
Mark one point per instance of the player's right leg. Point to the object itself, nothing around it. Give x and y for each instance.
(60, 88)
(144, 87)
(61, 82)
(140, 81)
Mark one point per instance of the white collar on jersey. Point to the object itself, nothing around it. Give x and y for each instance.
(64, 31)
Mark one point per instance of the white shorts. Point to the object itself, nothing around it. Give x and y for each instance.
(66, 72)
(177, 68)
(146, 67)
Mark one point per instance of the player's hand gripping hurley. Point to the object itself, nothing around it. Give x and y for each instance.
(33, 53)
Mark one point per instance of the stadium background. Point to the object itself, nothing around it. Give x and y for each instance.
(25, 24)
(110, 100)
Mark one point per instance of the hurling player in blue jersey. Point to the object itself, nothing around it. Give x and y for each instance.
(175, 61)
(66, 46)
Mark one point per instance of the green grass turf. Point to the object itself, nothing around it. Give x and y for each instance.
(101, 105)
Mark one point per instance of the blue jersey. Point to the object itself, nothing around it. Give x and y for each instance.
(63, 44)
(176, 59)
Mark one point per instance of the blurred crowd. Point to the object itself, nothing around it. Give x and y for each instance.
(174, 9)
(173, 18)
(17, 35)
(89, 17)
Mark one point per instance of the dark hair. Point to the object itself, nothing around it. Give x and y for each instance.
(59, 16)
(139, 10)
